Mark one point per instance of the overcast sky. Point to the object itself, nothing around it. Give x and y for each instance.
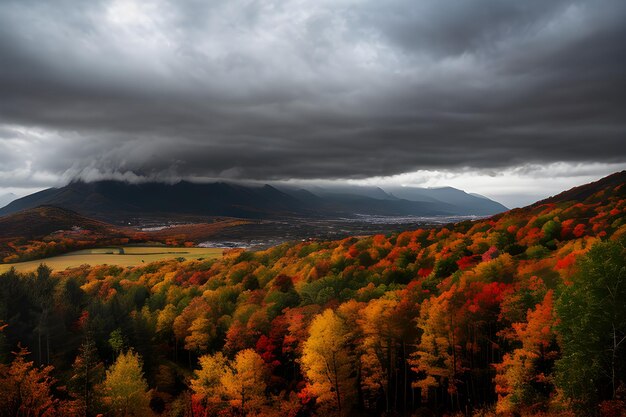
(512, 99)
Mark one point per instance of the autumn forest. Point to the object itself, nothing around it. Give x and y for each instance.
(521, 314)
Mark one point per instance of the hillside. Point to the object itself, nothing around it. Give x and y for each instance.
(120, 202)
(601, 189)
(44, 220)
(47, 230)
(490, 317)
(113, 200)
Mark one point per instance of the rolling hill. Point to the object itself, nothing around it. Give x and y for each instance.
(44, 220)
(48, 230)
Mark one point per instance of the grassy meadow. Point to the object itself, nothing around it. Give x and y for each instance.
(122, 256)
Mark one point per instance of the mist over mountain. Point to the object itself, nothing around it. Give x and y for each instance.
(116, 200)
(6, 199)
(297, 208)
(402, 200)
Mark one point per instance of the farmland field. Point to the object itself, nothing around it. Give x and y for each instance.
(122, 256)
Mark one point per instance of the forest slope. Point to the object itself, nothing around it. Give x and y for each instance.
(507, 315)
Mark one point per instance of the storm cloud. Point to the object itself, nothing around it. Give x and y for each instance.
(277, 90)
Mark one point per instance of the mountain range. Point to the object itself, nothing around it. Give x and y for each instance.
(117, 201)
(46, 229)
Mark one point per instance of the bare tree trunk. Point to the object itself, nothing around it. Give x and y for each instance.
(191, 405)
(243, 402)
(389, 366)
(613, 354)
(39, 343)
(405, 376)
(337, 384)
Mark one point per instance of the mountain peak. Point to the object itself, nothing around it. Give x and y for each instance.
(111, 200)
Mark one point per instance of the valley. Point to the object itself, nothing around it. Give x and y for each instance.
(312, 209)
(46, 231)
(449, 314)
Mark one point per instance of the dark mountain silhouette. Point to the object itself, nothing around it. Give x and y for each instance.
(474, 204)
(117, 201)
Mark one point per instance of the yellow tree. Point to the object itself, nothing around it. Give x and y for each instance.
(201, 332)
(244, 381)
(379, 345)
(207, 381)
(125, 388)
(165, 319)
(328, 363)
(435, 358)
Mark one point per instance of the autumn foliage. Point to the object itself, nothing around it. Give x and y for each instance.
(487, 316)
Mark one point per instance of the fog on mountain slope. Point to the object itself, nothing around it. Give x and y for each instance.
(114, 200)
(6, 199)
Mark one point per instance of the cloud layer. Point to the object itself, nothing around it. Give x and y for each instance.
(278, 90)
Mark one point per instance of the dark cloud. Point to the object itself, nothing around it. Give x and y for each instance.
(329, 89)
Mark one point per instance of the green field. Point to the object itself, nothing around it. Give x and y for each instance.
(122, 256)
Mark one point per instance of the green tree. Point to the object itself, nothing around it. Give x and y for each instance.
(125, 388)
(116, 341)
(88, 371)
(42, 294)
(592, 326)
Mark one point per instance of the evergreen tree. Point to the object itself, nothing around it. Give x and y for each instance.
(592, 326)
(88, 371)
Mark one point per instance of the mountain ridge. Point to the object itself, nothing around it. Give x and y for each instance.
(116, 201)
(580, 193)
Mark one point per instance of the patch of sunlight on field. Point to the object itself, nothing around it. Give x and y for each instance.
(121, 256)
